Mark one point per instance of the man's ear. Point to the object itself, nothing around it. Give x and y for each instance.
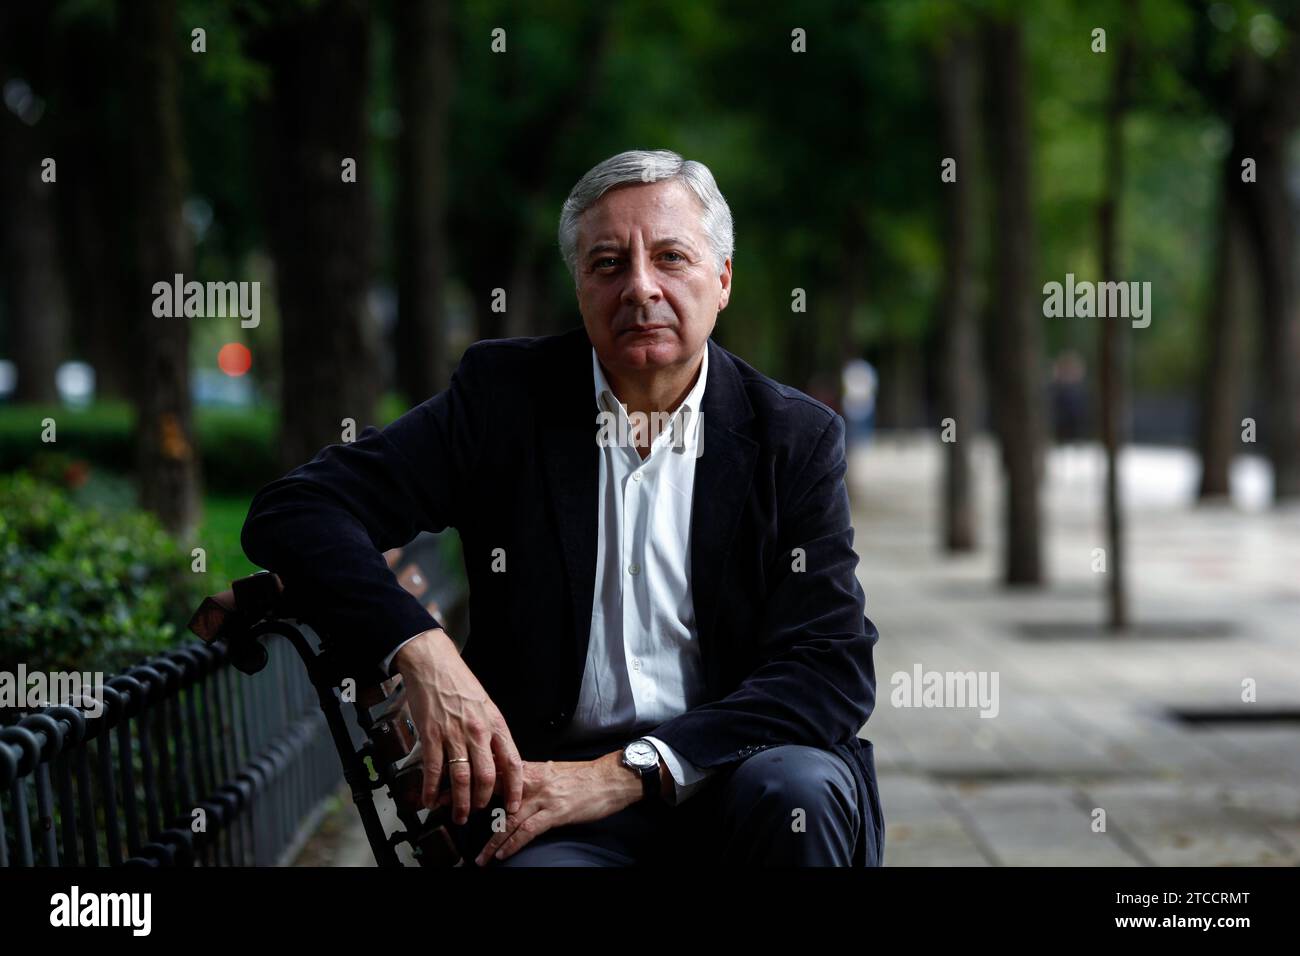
(725, 278)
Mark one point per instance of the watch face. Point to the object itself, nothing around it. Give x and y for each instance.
(640, 753)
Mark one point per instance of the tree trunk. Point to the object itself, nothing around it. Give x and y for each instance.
(320, 225)
(167, 464)
(1112, 352)
(92, 210)
(1017, 391)
(1270, 213)
(1267, 114)
(958, 341)
(424, 72)
(34, 304)
(1221, 384)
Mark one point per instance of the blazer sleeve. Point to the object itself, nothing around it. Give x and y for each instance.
(817, 684)
(324, 526)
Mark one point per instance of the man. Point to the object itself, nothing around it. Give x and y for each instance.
(668, 656)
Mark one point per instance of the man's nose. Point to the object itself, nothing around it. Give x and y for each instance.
(642, 287)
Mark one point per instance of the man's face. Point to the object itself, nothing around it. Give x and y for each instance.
(648, 286)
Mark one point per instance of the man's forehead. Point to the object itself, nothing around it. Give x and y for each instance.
(666, 210)
(658, 226)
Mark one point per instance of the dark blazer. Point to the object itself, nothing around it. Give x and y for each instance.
(507, 456)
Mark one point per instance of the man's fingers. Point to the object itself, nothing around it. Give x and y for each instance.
(431, 755)
(485, 773)
(461, 772)
(518, 833)
(510, 768)
(499, 837)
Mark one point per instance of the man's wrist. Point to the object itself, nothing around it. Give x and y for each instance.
(434, 640)
(626, 782)
(630, 785)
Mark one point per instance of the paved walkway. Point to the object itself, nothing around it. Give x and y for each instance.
(1086, 720)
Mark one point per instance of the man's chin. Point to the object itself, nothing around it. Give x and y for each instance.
(646, 355)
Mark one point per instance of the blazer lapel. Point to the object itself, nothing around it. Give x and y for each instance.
(566, 435)
(723, 474)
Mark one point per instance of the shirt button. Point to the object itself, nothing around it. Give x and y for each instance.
(634, 569)
(636, 476)
(636, 663)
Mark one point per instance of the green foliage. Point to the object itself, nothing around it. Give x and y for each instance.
(100, 434)
(84, 589)
(236, 447)
(828, 158)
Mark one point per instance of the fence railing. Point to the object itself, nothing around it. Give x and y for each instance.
(187, 762)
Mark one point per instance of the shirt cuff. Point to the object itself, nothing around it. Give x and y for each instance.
(687, 778)
(387, 664)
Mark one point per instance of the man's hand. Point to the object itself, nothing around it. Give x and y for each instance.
(558, 793)
(455, 718)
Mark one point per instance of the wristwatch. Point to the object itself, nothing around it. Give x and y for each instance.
(641, 757)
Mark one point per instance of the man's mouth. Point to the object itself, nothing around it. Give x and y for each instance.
(642, 329)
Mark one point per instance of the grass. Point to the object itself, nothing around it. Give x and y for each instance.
(223, 518)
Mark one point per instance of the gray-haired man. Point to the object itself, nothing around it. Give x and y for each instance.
(668, 654)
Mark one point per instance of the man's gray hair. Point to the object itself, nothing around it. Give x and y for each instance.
(638, 166)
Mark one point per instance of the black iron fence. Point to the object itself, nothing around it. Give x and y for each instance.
(187, 762)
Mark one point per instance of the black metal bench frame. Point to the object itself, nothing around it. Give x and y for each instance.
(258, 606)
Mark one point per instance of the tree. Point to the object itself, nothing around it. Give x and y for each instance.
(92, 210)
(1259, 97)
(424, 77)
(1114, 405)
(1016, 386)
(1221, 379)
(958, 338)
(34, 302)
(1265, 132)
(319, 219)
(167, 463)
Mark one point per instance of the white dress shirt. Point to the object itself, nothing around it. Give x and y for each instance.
(643, 657)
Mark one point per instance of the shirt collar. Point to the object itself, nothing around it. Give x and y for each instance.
(608, 401)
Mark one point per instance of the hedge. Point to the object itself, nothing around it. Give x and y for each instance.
(237, 447)
(85, 588)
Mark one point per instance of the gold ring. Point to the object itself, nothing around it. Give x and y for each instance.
(458, 760)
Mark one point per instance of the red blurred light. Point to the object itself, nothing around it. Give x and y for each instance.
(234, 359)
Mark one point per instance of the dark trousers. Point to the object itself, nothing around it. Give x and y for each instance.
(785, 806)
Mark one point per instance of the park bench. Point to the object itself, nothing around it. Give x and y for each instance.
(358, 705)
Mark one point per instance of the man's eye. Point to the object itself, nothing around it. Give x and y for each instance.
(680, 257)
(606, 262)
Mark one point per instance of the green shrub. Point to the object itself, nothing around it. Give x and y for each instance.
(100, 434)
(237, 447)
(84, 589)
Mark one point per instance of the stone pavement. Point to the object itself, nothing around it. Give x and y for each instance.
(1086, 720)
